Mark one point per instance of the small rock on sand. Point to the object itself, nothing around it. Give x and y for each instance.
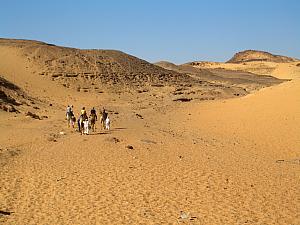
(112, 139)
(32, 115)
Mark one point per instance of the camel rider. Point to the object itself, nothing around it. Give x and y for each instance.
(104, 114)
(93, 113)
(69, 111)
(83, 113)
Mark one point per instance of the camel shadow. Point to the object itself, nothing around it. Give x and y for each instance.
(98, 133)
(120, 128)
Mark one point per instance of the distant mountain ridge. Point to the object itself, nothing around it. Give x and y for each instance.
(255, 55)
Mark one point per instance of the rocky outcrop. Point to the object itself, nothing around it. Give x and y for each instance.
(253, 55)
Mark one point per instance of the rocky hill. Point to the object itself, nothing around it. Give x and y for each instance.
(13, 98)
(54, 74)
(253, 55)
(105, 67)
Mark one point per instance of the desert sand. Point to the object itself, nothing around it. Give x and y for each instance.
(218, 158)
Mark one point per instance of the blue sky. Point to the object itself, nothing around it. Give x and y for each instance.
(173, 30)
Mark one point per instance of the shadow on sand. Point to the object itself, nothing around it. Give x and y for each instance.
(98, 133)
(119, 128)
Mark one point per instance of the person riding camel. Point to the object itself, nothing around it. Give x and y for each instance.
(69, 110)
(93, 118)
(69, 114)
(82, 117)
(104, 114)
(83, 111)
(93, 111)
(103, 117)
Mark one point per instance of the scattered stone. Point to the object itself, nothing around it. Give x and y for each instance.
(193, 218)
(112, 139)
(62, 133)
(14, 152)
(139, 116)
(178, 93)
(206, 98)
(33, 115)
(183, 99)
(50, 104)
(6, 213)
(56, 75)
(61, 178)
(129, 147)
(141, 91)
(11, 108)
(8, 108)
(184, 215)
(51, 139)
(157, 85)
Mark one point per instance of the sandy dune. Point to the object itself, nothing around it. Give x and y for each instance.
(227, 161)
